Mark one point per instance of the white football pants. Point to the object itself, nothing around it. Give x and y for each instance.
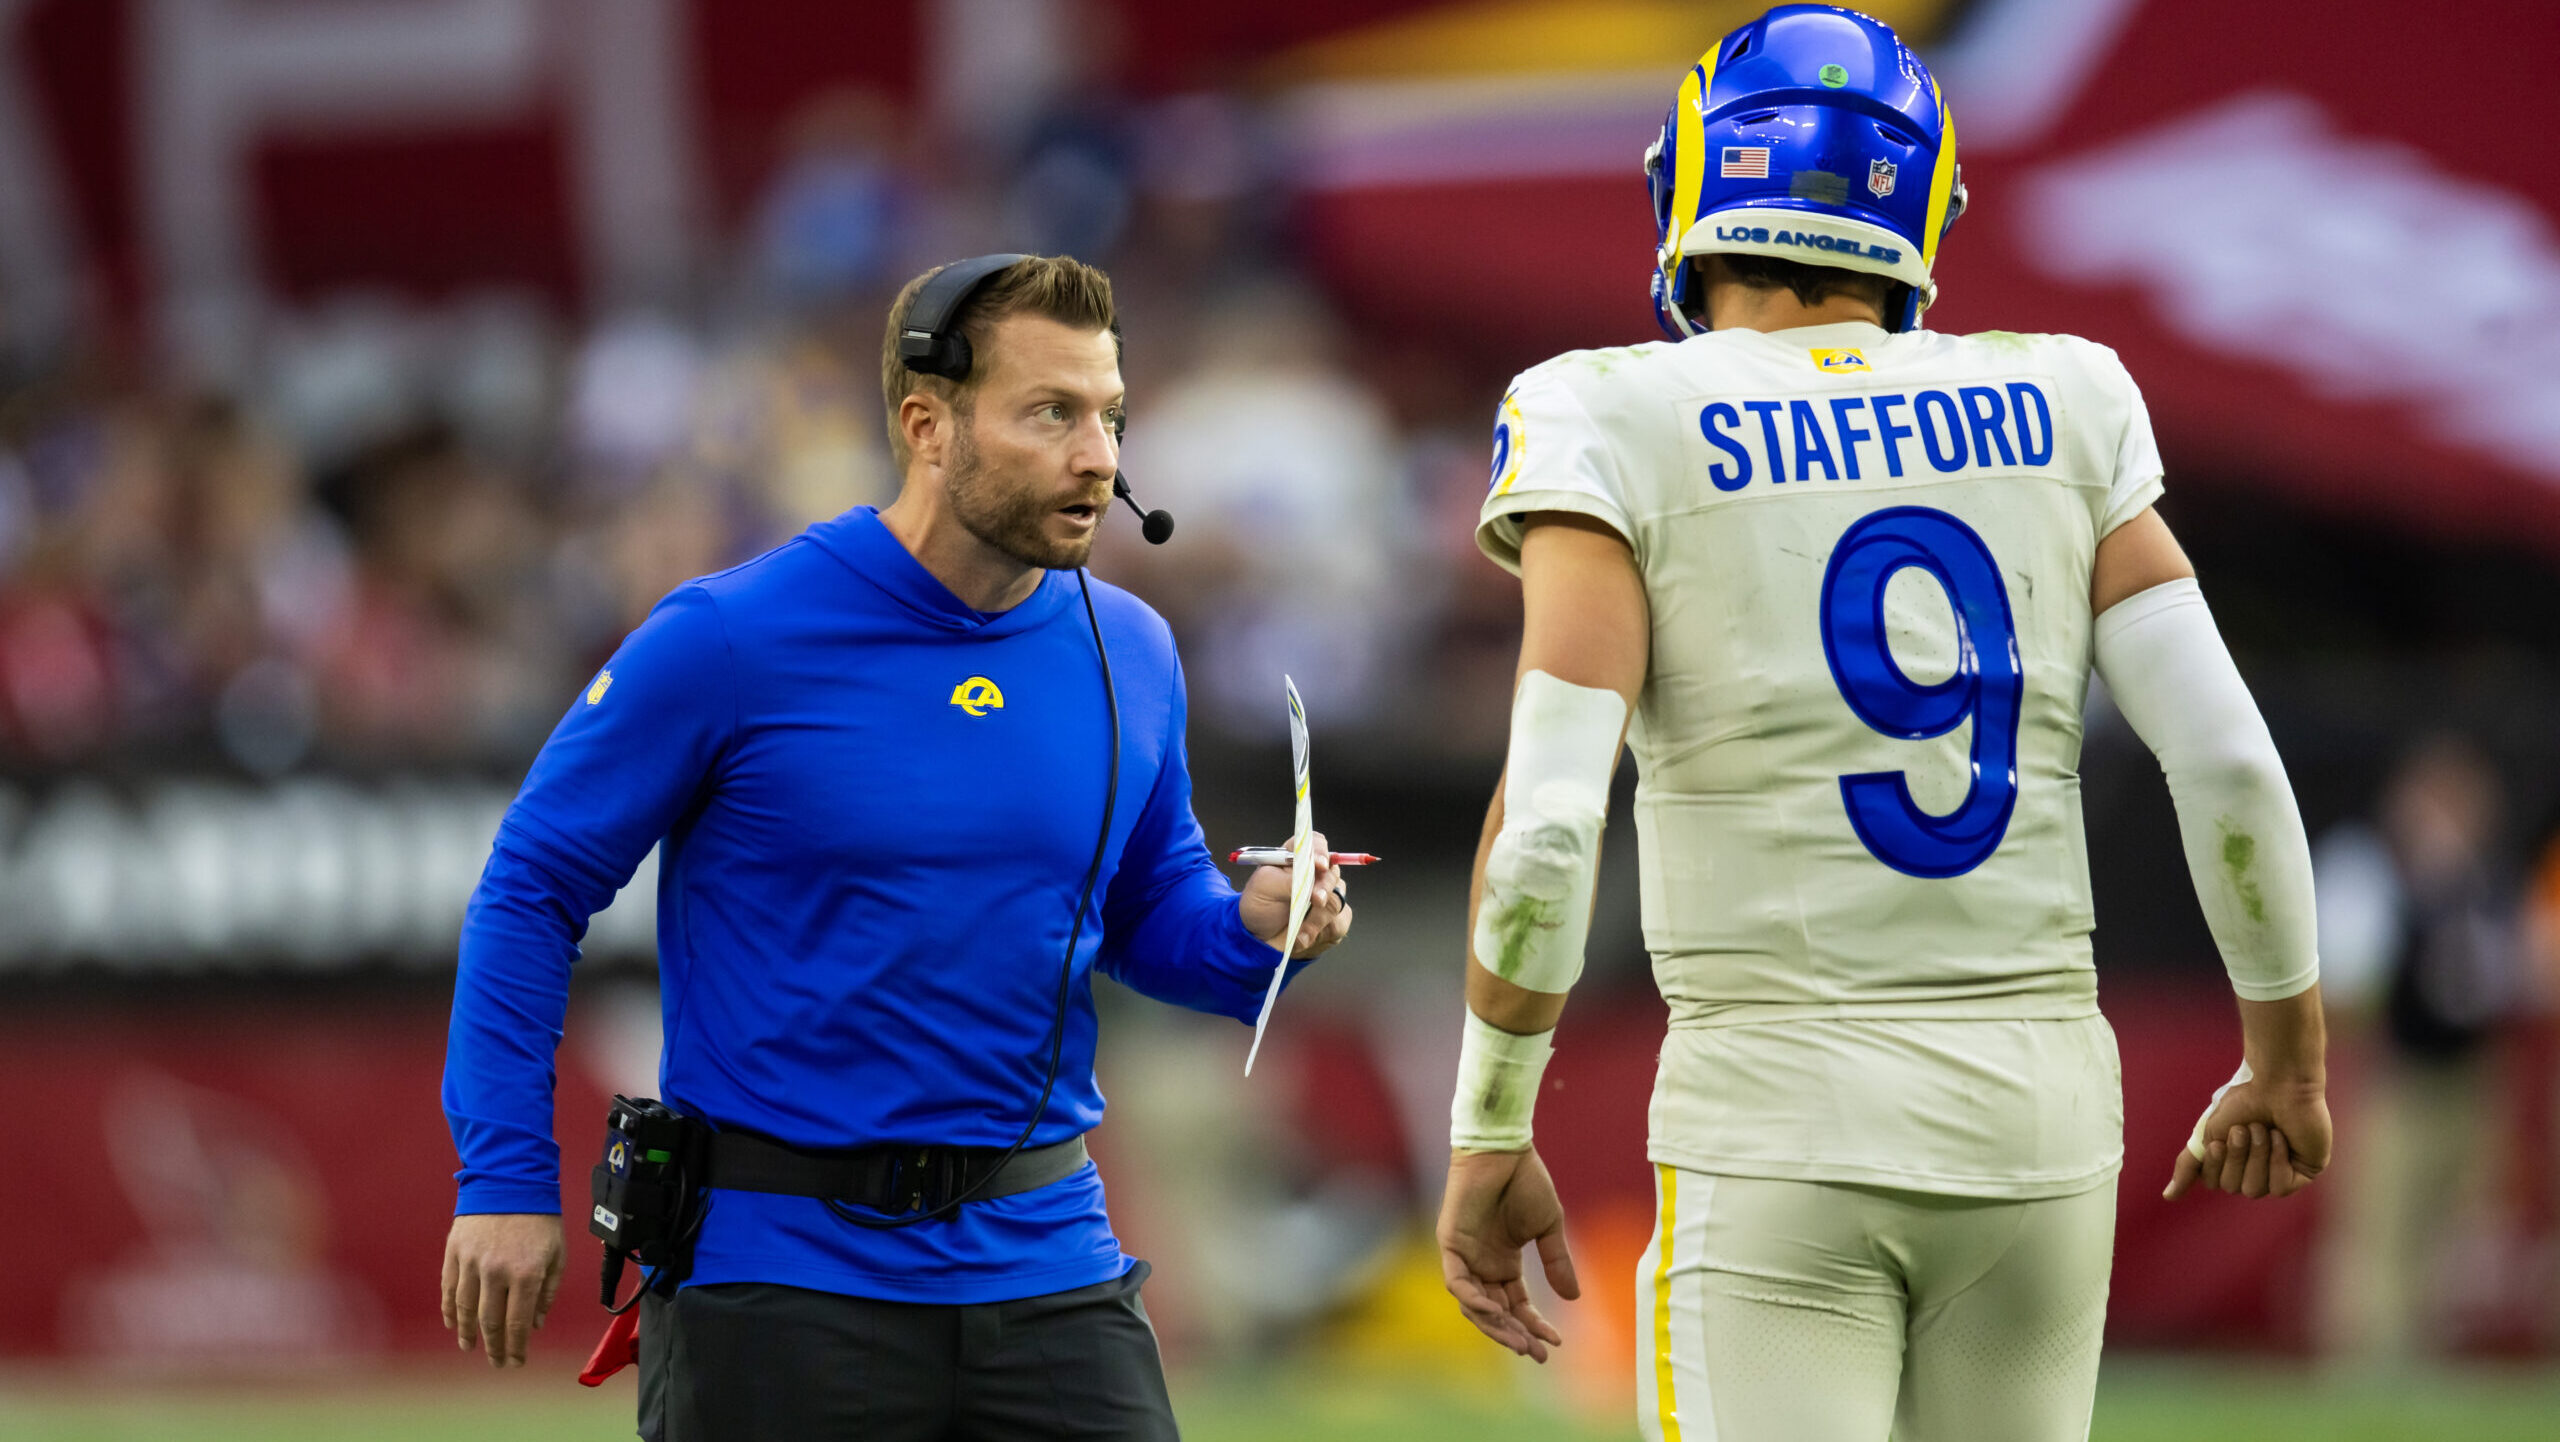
(1787, 1311)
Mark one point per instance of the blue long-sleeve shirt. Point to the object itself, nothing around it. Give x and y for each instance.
(878, 806)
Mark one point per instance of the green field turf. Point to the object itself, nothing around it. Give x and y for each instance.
(2140, 1401)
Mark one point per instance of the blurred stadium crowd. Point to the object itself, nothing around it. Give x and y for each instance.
(401, 533)
(318, 586)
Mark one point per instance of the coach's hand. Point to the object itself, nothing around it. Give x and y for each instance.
(2264, 1140)
(501, 1271)
(1496, 1203)
(1266, 904)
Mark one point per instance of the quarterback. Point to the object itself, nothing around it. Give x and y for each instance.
(1840, 584)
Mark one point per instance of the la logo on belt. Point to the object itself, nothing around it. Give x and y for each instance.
(977, 696)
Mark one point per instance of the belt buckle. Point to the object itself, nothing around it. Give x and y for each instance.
(923, 1179)
(922, 1182)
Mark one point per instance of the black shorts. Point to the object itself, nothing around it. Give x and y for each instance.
(752, 1360)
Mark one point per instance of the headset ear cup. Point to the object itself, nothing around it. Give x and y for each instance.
(932, 343)
(946, 356)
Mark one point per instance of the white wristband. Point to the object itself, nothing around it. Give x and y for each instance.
(2195, 1141)
(1498, 1076)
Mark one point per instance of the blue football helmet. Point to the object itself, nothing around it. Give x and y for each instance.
(1812, 134)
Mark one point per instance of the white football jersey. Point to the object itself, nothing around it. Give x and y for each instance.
(1865, 879)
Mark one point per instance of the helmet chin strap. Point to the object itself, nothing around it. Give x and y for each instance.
(1670, 296)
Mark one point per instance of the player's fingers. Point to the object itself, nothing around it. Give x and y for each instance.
(524, 1313)
(2183, 1175)
(494, 1288)
(1537, 1334)
(2235, 1160)
(1536, 1329)
(550, 1291)
(2241, 1158)
(1479, 1296)
(1481, 1307)
(1558, 1260)
(466, 1304)
(1536, 1321)
(1328, 921)
(1503, 1330)
(2253, 1182)
(2282, 1179)
(451, 1267)
(1311, 930)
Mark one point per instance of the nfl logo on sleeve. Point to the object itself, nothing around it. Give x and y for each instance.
(1880, 174)
(1746, 161)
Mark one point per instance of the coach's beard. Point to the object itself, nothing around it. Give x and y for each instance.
(1013, 520)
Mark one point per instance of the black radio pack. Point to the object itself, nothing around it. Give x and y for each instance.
(647, 1190)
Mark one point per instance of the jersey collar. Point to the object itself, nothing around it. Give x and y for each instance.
(1838, 333)
(863, 542)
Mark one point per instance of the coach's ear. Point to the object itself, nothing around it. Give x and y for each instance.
(925, 423)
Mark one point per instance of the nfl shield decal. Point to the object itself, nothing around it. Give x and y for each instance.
(1880, 174)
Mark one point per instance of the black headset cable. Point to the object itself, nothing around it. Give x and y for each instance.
(1066, 964)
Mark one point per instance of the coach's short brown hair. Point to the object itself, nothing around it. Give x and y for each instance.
(1059, 287)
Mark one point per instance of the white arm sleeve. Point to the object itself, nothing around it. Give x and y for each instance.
(2165, 663)
(1536, 908)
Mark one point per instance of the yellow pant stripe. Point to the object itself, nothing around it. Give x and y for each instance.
(1664, 1397)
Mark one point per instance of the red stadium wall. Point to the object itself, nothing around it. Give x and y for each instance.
(203, 1184)
(220, 1183)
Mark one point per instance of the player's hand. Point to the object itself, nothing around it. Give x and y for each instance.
(2263, 1140)
(501, 1271)
(1496, 1203)
(1266, 904)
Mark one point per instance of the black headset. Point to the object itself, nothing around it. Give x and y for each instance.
(929, 344)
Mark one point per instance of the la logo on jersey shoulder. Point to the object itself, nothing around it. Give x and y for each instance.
(604, 683)
(1847, 358)
(977, 696)
(1510, 431)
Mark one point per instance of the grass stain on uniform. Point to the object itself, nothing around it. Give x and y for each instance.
(1513, 926)
(1606, 359)
(2005, 339)
(2239, 855)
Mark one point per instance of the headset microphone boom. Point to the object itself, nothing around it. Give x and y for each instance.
(1156, 526)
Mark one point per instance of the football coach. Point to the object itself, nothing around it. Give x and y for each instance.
(917, 777)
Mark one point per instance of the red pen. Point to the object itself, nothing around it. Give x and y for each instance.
(1282, 856)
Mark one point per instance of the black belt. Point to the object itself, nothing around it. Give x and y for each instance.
(891, 1179)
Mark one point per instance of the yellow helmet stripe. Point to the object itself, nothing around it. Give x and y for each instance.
(1942, 179)
(1689, 175)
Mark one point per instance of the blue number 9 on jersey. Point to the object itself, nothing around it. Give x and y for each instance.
(1987, 686)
